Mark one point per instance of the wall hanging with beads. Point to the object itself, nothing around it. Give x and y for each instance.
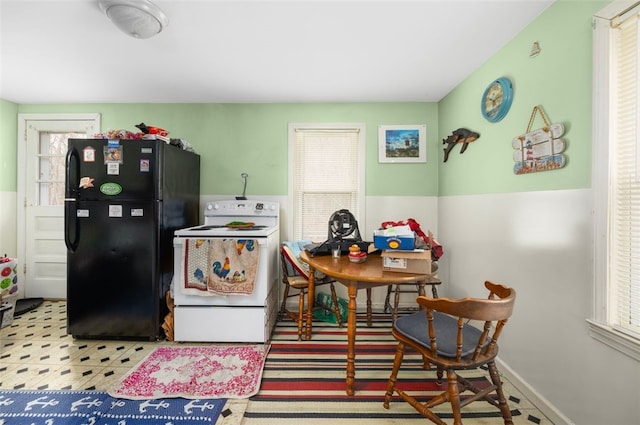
(541, 149)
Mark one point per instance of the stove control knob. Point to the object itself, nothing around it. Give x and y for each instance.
(211, 206)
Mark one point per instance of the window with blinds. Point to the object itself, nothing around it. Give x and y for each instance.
(624, 168)
(615, 319)
(326, 174)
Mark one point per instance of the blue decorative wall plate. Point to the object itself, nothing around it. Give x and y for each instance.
(496, 99)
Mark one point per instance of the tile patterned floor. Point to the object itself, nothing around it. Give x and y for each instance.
(36, 353)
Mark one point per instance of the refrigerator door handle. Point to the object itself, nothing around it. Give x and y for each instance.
(70, 194)
(71, 188)
(71, 219)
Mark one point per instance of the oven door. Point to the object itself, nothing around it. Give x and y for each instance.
(257, 298)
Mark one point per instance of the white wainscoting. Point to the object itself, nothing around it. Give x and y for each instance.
(540, 243)
(8, 235)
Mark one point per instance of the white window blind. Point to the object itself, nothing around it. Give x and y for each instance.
(624, 205)
(326, 178)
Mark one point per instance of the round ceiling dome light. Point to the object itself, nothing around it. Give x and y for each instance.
(137, 18)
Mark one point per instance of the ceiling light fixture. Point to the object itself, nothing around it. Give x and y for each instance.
(137, 18)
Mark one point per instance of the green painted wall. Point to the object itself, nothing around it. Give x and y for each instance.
(8, 146)
(558, 79)
(252, 138)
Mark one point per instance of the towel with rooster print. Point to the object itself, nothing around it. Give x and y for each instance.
(220, 266)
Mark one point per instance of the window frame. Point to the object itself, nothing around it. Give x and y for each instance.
(361, 127)
(599, 325)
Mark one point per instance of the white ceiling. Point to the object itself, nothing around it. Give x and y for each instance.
(67, 51)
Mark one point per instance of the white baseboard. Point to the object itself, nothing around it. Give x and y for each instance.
(548, 409)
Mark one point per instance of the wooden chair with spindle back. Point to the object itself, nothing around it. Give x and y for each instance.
(296, 276)
(446, 335)
(406, 288)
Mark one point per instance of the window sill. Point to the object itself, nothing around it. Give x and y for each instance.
(615, 339)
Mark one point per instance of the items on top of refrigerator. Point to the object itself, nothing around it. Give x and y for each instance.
(153, 133)
(182, 144)
(146, 133)
(118, 135)
(148, 129)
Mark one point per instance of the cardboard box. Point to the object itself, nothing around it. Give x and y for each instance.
(418, 261)
(395, 242)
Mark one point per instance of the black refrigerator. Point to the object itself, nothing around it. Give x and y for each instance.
(123, 201)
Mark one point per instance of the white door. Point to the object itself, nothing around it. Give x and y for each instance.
(41, 172)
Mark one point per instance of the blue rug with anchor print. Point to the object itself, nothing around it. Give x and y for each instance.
(98, 408)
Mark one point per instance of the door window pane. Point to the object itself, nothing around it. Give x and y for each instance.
(51, 166)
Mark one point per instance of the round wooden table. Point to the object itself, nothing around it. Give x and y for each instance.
(356, 276)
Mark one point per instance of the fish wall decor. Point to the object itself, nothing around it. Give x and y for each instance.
(461, 135)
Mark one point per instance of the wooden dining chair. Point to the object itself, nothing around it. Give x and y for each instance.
(454, 335)
(409, 288)
(295, 276)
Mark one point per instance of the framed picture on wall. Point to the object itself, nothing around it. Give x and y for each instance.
(402, 143)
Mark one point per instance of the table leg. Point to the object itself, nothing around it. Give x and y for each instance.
(351, 340)
(387, 305)
(369, 315)
(310, 298)
(396, 303)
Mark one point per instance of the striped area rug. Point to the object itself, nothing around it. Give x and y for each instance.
(305, 381)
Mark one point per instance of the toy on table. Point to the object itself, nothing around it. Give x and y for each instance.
(356, 255)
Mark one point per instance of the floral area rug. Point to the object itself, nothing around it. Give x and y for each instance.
(195, 372)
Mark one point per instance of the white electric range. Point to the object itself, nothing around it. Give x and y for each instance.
(231, 318)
